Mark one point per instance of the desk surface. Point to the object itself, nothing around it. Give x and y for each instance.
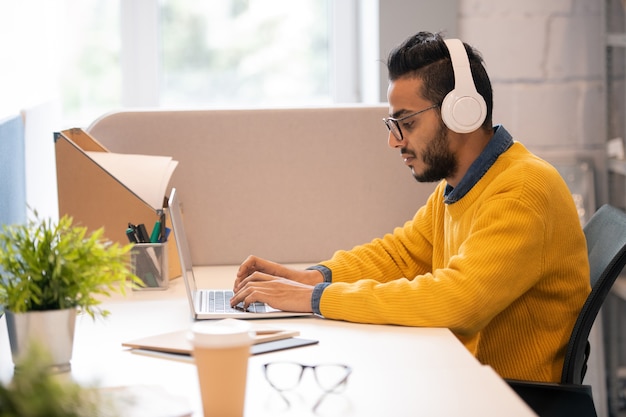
(397, 370)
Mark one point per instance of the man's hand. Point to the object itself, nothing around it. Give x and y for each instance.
(259, 280)
(254, 264)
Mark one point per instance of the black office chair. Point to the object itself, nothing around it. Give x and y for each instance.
(606, 246)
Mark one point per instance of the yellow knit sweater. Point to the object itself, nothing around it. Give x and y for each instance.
(505, 269)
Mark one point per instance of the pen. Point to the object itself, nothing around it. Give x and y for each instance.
(162, 235)
(158, 232)
(267, 331)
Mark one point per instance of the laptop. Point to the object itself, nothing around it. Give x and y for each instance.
(211, 303)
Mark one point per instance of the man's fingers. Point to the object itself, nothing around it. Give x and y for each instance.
(243, 287)
(255, 296)
(255, 277)
(248, 295)
(247, 267)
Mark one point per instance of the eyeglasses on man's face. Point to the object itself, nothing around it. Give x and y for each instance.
(393, 124)
(285, 376)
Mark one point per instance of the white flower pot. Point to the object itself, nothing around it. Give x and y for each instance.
(52, 330)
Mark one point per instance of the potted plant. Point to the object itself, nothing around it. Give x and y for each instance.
(49, 271)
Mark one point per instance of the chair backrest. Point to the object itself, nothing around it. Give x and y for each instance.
(606, 245)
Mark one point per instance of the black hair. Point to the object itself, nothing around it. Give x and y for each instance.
(426, 56)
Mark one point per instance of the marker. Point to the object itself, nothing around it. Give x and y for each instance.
(156, 232)
(131, 233)
(142, 234)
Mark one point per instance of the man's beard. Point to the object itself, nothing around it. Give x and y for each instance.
(439, 161)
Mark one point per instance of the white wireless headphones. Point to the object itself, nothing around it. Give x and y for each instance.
(463, 110)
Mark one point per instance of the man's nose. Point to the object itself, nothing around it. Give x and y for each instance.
(393, 141)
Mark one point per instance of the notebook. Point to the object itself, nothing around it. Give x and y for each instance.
(202, 301)
(266, 339)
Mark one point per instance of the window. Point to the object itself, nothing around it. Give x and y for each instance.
(195, 53)
(95, 56)
(238, 52)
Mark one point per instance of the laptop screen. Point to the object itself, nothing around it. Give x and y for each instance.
(184, 254)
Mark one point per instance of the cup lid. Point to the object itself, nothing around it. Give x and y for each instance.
(222, 333)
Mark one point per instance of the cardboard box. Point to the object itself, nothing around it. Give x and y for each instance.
(96, 198)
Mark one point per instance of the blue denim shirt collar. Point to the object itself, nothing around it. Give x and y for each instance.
(499, 143)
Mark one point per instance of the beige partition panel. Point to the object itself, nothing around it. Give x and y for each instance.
(292, 185)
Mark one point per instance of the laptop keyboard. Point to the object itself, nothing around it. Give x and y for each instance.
(218, 301)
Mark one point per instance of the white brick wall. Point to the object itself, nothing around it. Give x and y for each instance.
(546, 64)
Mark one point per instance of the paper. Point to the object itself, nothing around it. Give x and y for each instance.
(148, 176)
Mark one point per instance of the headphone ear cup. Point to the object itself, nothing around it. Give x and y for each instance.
(463, 110)
(463, 113)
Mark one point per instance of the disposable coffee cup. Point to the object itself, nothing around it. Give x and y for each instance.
(221, 350)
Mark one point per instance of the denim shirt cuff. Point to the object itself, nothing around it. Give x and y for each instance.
(317, 297)
(327, 273)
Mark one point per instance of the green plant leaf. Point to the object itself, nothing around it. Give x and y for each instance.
(47, 266)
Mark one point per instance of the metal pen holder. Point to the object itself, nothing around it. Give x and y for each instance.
(149, 263)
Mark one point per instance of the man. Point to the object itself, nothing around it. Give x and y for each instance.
(497, 254)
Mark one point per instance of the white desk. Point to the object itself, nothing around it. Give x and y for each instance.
(398, 371)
